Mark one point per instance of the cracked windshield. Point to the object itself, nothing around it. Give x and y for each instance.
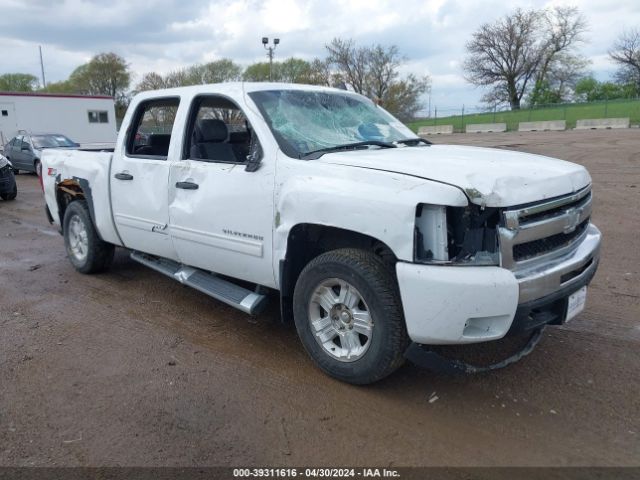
(306, 121)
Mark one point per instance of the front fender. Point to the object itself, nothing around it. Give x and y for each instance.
(379, 204)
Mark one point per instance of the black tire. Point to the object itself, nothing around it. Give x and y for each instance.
(10, 195)
(99, 253)
(377, 286)
(37, 167)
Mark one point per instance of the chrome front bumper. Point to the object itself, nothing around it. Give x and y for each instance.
(543, 279)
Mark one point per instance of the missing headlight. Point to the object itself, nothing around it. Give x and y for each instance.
(457, 235)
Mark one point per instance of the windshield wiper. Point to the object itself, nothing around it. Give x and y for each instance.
(314, 154)
(412, 142)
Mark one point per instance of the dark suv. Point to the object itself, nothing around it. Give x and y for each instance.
(8, 187)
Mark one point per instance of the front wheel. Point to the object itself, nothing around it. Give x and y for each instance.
(86, 251)
(348, 315)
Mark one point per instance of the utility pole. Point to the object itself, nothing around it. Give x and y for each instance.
(270, 50)
(44, 83)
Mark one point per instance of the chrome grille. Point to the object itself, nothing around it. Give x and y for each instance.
(544, 229)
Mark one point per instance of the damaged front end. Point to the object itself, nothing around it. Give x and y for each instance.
(459, 237)
(456, 235)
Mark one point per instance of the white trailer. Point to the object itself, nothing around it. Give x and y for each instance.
(87, 120)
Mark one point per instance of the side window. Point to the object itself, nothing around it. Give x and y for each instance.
(150, 132)
(218, 131)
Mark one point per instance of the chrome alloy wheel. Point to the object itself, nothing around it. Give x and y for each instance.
(78, 239)
(340, 320)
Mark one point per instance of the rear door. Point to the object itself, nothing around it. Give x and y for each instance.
(140, 174)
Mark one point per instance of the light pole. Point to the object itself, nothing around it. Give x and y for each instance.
(270, 50)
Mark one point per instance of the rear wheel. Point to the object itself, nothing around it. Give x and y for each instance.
(348, 315)
(37, 167)
(86, 251)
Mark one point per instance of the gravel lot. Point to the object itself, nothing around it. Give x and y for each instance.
(131, 368)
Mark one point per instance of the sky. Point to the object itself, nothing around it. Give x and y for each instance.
(162, 35)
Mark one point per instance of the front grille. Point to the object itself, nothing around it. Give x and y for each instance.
(525, 251)
(533, 217)
(537, 230)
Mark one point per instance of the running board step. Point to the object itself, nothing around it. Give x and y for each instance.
(208, 283)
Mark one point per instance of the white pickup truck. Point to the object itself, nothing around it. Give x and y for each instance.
(378, 242)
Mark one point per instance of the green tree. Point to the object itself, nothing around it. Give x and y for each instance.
(64, 86)
(18, 82)
(403, 97)
(590, 90)
(105, 74)
(259, 72)
(220, 71)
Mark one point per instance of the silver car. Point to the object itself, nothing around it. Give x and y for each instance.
(24, 150)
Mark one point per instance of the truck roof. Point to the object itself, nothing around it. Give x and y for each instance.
(235, 88)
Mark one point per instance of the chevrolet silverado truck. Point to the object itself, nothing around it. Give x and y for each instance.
(378, 242)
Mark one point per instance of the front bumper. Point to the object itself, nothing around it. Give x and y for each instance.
(465, 304)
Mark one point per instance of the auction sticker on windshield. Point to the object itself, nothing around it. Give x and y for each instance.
(576, 303)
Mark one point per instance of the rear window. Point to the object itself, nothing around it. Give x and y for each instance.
(150, 134)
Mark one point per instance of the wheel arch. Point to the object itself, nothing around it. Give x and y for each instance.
(73, 189)
(306, 241)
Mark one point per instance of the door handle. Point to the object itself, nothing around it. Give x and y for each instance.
(187, 185)
(123, 176)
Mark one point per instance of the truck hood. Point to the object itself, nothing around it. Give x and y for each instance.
(488, 176)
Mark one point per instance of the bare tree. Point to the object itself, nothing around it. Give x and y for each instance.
(383, 70)
(352, 62)
(626, 53)
(564, 27)
(373, 71)
(520, 50)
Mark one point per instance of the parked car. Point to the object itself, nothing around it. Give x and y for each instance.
(25, 150)
(378, 242)
(8, 187)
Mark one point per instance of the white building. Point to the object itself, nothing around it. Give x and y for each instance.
(84, 119)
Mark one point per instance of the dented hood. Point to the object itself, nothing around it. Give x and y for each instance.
(488, 176)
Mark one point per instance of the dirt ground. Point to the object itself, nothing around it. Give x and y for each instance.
(132, 368)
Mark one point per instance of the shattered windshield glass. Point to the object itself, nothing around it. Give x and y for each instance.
(307, 121)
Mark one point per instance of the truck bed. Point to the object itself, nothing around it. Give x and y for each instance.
(91, 171)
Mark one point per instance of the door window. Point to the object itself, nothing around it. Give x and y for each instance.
(152, 126)
(218, 131)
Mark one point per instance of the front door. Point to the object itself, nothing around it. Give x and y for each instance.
(139, 194)
(221, 215)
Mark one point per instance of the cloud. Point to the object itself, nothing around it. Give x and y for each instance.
(161, 35)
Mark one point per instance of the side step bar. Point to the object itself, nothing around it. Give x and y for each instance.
(208, 283)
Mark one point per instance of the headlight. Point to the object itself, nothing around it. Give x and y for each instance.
(457, 235)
